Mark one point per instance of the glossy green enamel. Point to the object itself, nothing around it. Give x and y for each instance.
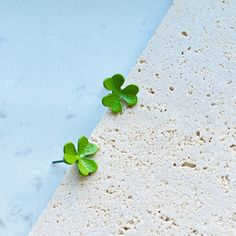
(81, 156)
(114, 99)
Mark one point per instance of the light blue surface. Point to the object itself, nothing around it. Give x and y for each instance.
(54, 56)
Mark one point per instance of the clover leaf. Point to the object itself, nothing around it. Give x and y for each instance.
(114, 99)
(80, 157)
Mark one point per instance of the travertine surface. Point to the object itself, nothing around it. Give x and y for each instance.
(167, 166)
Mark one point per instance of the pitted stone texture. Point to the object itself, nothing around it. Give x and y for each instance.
(166, 166)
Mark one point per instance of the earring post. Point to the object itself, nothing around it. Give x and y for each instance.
(59, 161)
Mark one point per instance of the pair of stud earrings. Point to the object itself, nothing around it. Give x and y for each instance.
(114, 101)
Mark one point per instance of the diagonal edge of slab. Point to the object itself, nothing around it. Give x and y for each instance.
(166, 166)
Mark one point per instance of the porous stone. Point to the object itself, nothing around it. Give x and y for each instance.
(166, 166)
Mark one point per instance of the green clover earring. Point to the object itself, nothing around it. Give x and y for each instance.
(114, 99)
(81, 156)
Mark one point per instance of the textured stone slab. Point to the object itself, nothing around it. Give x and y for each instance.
(168, 165)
